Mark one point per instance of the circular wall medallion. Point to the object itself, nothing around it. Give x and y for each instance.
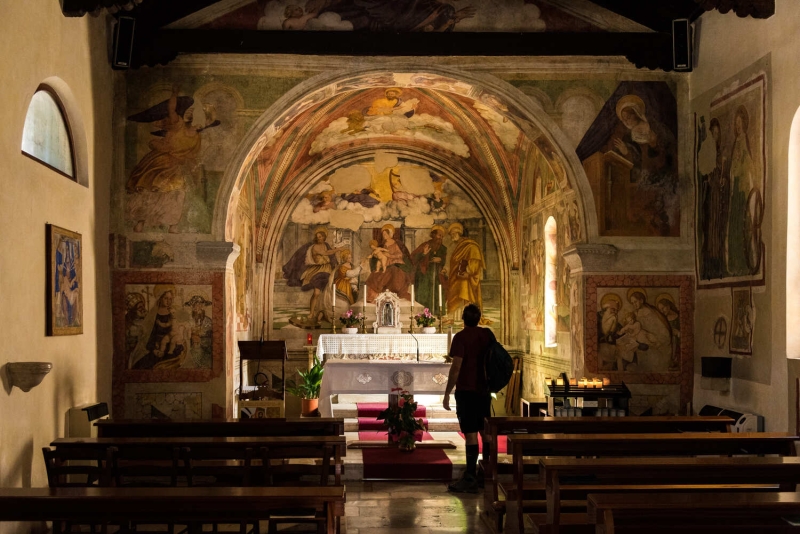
(402, 378)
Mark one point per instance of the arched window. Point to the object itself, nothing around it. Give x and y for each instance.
(550, 268)
(45, 136)
(793, 240)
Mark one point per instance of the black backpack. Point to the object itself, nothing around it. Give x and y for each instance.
(498, 366)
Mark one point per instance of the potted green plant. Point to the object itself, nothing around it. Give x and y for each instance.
(307, 388)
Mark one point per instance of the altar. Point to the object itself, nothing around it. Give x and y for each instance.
(384, 347)
(371, 376)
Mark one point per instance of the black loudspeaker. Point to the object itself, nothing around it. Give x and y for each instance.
(715, 366)
(681, 45)
(123, 42)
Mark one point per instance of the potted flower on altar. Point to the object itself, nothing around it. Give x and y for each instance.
(350, 321)
(403, 428)
(308, 387)
(426, 320)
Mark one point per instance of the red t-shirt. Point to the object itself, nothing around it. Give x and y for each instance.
(469, 345)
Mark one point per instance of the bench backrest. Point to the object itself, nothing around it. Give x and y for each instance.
(318, 426)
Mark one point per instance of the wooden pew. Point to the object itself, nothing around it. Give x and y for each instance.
(195, 506)
(499, 426)
(132, 428)
(325, 448)
(616, 445)
(589, 475)
(693, 513)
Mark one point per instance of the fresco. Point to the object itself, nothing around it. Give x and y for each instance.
(242, 266)
(174, 405)
(424, 16)
(731, 177)
(631, 160)
(396, 224)
(168, 326)
(181, 145)
(639, 329)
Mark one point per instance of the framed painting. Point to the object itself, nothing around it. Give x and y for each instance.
(64, 282)
(743, 319)
(639, 329)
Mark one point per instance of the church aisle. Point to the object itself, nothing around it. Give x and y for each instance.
(411, 508)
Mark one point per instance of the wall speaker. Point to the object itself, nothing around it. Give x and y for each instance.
(123, 43)
(681, 45)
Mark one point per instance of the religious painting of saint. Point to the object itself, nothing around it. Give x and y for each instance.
(743, 319)
(630, 157)
(731, 176)
(64, 282)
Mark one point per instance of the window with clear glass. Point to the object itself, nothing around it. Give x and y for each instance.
(550, 269)
(45, 136)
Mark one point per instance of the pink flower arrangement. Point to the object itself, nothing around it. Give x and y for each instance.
(403, 428)
(425, 318)
(350, 319)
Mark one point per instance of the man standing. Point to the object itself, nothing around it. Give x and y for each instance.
(465, 273)
(428, 260)
(201, 333)
(473, 400)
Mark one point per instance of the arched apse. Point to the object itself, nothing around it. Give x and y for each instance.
(472, 127)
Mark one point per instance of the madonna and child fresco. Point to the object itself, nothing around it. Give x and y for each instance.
(638, 329)
(361, 242)
(168, 326)
(630, 157)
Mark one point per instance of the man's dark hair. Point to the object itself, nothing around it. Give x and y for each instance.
(471, 315)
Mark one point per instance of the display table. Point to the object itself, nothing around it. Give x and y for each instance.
(383, 347)
(369, 377)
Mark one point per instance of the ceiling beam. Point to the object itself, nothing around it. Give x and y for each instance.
(655, 14)
(650, 50)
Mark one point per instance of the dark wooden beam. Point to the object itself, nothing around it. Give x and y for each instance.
(650, 50)
(655, 14)
(758, 9)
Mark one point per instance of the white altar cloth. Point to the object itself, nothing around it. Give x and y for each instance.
(432, 347)
(369, 377)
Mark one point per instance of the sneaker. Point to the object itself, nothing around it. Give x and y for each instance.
(466, 484)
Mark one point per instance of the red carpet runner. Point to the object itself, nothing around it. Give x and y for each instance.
(502, 444)
(389, 463)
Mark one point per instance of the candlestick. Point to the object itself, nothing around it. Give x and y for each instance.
(333, 318)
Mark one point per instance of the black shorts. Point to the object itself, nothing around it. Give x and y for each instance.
(471, 408)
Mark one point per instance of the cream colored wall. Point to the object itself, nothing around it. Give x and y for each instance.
(728, 44)
(38, 43)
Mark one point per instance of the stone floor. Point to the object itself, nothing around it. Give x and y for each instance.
(411, 508)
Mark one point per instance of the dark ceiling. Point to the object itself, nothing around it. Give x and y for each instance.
(650, 47)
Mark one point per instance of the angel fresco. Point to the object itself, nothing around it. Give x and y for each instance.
(380, 15)
(157, 184)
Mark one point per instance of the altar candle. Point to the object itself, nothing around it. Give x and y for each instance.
(412, 295)
(333, 290)
(308, 339)
(440, 298)
(365, 298)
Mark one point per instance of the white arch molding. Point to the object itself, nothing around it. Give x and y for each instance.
(327, 83)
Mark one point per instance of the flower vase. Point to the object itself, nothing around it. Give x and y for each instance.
(428, 329)
(350, 330)
(406, 445)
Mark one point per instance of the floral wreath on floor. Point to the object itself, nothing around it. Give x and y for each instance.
(402, 426)
(425, 318)
(350, 319)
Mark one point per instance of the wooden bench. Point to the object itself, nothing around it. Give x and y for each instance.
(620, 445)
(192, 506)
(693, 513)
(329, 450)
(132, 428)
(500, 426)
(589, 475)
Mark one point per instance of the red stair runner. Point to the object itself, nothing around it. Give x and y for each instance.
(502, 444)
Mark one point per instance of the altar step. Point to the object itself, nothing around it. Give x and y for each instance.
(439, 419)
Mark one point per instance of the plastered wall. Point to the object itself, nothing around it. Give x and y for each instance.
(762, 390)
(39, 43)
